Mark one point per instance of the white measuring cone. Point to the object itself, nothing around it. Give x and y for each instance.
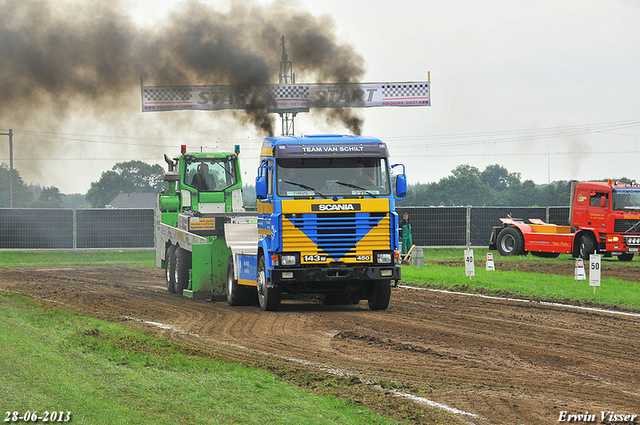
(490, 265)
(580, 274)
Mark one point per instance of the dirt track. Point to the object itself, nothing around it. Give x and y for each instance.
(496, 361)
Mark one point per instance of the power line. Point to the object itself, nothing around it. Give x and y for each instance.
(508, 136)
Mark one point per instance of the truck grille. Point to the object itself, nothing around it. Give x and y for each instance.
(337, 235)
(624, 226)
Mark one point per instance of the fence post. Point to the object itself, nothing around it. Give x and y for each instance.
(75, 230)
(468, 236)
(546, 218)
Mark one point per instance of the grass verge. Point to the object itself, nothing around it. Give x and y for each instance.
(128, 257)
(102, 372)
(613, 293)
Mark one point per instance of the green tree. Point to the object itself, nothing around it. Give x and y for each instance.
(50, 197)
(125, 177)
(499, 178)
(465, 187)
(495, 186)
(21, 195)
(555, 194)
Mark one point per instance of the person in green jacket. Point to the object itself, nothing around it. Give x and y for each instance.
(405, 234)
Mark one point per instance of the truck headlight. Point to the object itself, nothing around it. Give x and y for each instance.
(288, 259)
(384, 258)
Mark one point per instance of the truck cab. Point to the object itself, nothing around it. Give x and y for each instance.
(607, 215)
(327, 220)
(203, 190)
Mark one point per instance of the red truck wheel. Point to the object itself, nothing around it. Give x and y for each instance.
(510, 242)
(587, 246)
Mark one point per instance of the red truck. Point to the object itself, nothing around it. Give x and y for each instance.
(605, 219)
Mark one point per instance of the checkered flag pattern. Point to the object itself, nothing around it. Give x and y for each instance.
(405, 90)
(167, 94)
(286, 91)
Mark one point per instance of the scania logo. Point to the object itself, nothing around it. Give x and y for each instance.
(335, 207)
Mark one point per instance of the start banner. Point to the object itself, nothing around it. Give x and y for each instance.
(285, 97)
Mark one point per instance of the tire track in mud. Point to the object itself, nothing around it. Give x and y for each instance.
(506, 361)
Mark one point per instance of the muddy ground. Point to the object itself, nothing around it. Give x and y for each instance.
(482, 360)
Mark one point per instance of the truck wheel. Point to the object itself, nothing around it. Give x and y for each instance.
(170, 268)
(268, 297)
(510, 242)
(182, 266)
(238, 294)
(587, 247)
(380, 295)
(627, 256)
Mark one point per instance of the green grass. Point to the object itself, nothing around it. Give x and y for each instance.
(128, 257)
(102, 372)
(612, 292)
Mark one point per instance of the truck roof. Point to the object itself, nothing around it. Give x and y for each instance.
(606, 185)
(324, 145)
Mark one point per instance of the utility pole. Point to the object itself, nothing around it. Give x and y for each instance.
(10, 134)
(287, 77)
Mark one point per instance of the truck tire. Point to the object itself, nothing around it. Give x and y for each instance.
(268, 297)
(238, 294)
(586, 246)
(170, 268)
(380, 295)
(182, 267)
(627, 256)
(510, 242)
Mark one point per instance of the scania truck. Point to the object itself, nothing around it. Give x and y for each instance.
(325, 224)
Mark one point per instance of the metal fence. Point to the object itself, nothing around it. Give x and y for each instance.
(134, 228)
(469, 226)
(76, 228)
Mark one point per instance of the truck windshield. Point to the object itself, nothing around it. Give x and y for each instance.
(211, 174)
(332, 177)
(625, 199)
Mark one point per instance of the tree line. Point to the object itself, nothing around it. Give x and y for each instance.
(495, 186)
(466, 185)
(124, 177)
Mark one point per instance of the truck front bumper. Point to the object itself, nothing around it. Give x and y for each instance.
(334, 274)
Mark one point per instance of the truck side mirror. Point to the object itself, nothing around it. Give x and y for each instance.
(603, 201)
(261, 187)
(401, 185)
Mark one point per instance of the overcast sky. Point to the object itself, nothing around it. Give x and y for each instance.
(549, 89)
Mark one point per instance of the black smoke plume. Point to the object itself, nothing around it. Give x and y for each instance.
(57, 55)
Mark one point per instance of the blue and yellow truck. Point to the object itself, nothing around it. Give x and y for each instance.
(325, 224)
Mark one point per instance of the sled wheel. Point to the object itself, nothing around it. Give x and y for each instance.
(170, 268)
